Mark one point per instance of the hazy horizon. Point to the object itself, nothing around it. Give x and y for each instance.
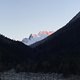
(20, 18)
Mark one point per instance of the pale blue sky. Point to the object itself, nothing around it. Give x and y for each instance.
(19, 18)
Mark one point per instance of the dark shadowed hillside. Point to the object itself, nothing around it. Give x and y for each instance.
(14, 54)
(60, 52)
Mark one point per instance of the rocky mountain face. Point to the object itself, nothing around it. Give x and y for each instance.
(33, 38)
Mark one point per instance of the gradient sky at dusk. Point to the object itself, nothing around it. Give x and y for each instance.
(19, 18)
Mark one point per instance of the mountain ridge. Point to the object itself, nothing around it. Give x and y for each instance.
(59, 52)
(33, 38)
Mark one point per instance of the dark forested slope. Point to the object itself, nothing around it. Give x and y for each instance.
(13, 54)
(60, 52)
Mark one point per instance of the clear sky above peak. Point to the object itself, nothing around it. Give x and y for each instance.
(19, 18)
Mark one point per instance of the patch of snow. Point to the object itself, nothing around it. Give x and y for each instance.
(12, 75)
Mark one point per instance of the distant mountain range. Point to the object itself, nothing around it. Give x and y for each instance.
(33, 38)
(58, 52)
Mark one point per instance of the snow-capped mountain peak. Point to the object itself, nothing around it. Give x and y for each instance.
(33, 38)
